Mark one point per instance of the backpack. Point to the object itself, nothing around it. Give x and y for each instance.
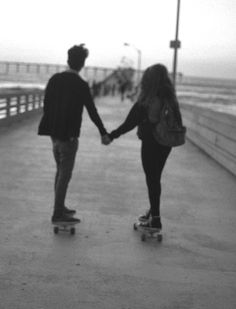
(169, 130)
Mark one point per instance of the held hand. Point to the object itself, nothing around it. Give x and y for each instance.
(106, 139)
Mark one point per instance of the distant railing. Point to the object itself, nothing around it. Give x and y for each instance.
(19, 104)
(40, 72)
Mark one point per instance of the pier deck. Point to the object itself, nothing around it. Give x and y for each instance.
(106, 265)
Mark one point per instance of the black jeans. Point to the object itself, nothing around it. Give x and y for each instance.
(64, 153)
(154, 157)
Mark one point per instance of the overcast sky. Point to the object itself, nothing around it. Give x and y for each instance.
(42, 31)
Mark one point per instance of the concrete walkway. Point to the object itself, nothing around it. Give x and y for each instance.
(106, 265)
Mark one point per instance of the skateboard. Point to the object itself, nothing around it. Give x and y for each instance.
(148, 232)
(65, 227)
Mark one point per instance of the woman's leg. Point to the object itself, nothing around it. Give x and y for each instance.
(154, 157)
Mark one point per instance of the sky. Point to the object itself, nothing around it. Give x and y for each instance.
(42, 31)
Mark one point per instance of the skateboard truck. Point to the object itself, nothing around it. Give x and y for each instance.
(64, 227)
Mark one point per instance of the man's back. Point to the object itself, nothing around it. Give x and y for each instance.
(65, 96)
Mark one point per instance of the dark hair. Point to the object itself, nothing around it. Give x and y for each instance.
(76, 56)
(156, 83)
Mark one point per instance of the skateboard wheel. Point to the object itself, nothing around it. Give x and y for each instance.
(143, 237)
(135, 227)
(72, 231)
(56, 229)
(159, 238)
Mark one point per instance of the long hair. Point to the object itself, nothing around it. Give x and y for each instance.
(155, 83)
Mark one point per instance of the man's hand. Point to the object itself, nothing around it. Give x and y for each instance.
(106, 139)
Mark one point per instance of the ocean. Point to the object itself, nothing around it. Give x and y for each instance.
(216, 94)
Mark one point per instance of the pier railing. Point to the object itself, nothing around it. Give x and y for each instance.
(19, 105)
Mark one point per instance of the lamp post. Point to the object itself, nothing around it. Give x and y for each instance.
(176, 44)
(139, 60)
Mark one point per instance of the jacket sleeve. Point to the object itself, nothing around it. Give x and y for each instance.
(92, 111)
(134, 118)
(49, 95)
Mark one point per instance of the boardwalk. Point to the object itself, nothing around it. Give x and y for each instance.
(105, 265)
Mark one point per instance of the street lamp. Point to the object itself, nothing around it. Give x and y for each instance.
(139, 60)
(176, 44)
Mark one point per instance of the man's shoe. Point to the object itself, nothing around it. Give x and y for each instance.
(68, 211)
(65, 218)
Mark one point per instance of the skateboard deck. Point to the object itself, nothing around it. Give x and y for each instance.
(64, 227)
(148, 232)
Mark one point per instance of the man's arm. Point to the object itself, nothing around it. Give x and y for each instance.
(49, 95)
(93, 113)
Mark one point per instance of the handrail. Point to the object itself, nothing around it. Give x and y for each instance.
(21, 102)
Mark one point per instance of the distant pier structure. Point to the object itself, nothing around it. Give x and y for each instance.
(41, 72)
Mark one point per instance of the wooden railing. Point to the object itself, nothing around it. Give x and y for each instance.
(20, 104)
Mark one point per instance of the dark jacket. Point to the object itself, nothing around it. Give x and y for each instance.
(66, 95)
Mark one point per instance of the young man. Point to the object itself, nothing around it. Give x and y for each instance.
(65, 97)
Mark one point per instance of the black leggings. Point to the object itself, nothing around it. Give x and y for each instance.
(154, 157)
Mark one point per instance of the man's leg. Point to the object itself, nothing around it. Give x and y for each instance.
(66, 210)
(64, 153)
(56, 157)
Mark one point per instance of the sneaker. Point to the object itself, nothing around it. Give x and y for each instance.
(145, 217)
(155, 223)
(68, 211)
(65, 218)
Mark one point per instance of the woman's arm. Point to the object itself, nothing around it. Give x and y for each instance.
(133, 119)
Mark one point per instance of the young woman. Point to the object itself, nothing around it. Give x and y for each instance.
(156, 87)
